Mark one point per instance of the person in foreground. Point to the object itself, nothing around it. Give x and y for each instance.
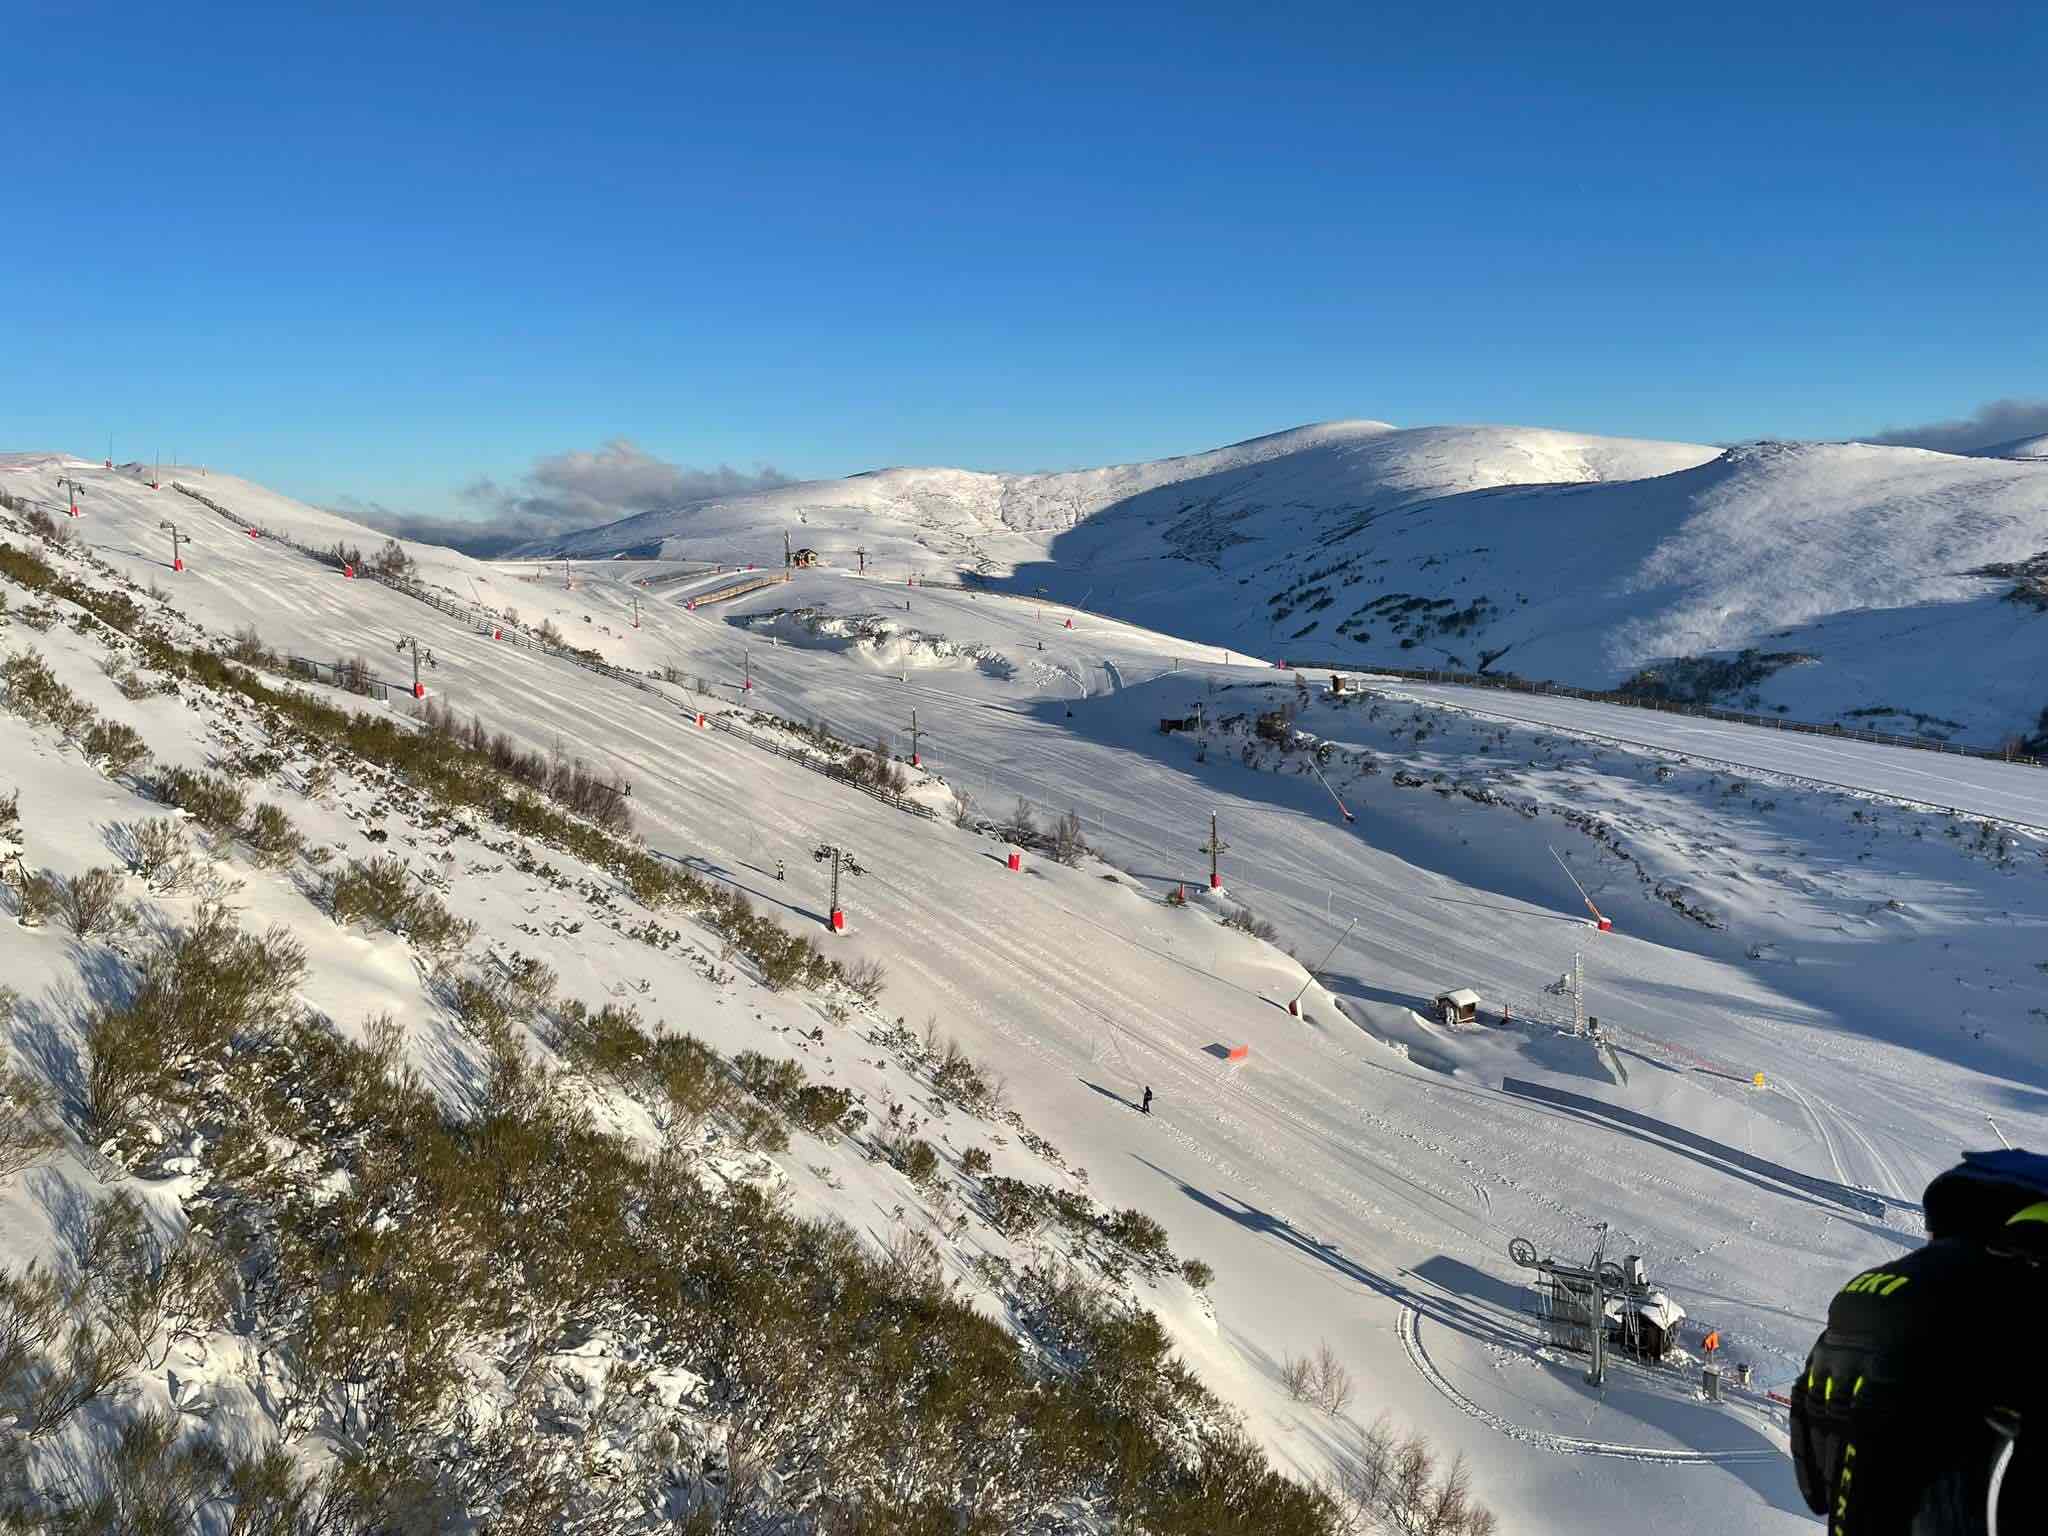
(1922, 1410)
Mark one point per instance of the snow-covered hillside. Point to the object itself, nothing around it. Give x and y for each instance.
(2035, 447)
(1357, 1175)
(921, 519)
(1874, 582)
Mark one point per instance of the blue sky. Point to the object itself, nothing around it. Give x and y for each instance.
(381, 255)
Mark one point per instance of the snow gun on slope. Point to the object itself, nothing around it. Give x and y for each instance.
(1600, 919)
(1348, 817)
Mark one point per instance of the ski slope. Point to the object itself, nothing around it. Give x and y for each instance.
(1976, 786)
(1359, 1177)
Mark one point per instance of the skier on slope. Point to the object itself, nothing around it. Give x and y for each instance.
(1146, 1107)
(1923, 1408)
(778, 869)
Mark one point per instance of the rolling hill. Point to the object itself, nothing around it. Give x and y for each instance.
(1876, 583)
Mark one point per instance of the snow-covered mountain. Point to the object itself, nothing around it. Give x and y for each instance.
(1875, 579)
(1354, 1176)
(2035, 447)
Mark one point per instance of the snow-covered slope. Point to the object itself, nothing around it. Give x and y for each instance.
(1547, 554)
(2035, 447)
(1359, 1176)
(919, 517)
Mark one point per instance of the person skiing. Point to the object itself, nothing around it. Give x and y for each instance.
(1146, 1107)
(778, 869)
(1910, 1417)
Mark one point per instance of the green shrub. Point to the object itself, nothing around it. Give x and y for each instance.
(27, 1135)
(776, 1082)
(760, 1129)
(1244, 920)
(976, 1161)
(689, 1075)
(248, 647)
(272, 837)
(158, 850)
(216, 803)
(916, 1159)
(382, 891)
(116, 747)
(481, 1004)
(29, 685)
(821, 1110)
(1142, 1238)
(200, 990)
(371, 890)
(38, 898)
(1014, 1207)
(92, 906)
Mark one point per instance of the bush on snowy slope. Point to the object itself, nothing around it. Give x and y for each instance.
(420, 1273)
(522, 1227)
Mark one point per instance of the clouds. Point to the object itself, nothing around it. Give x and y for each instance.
(565, 492)
(2000, 421)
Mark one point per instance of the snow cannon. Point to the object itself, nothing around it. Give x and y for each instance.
(1294, 1007)
(1016, 861)
(419, 690)
(1215, 882)
(1603, 925)
(349, 571)
(700, 719)
(254, 534)
(497, 633)
(1070, 623)
(1239, 1053)
(838, 920)
(177, 563)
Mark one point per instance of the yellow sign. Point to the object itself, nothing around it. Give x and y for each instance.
(1759, 1079)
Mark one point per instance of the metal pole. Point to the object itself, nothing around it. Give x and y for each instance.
(913, 741)
(1214, 848)
(1326, 960)
(1598, 1375)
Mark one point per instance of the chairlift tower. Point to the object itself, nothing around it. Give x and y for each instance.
(405, 643)
(842, 861)
(1578, 993)
(1215, 848)
(66, 483)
